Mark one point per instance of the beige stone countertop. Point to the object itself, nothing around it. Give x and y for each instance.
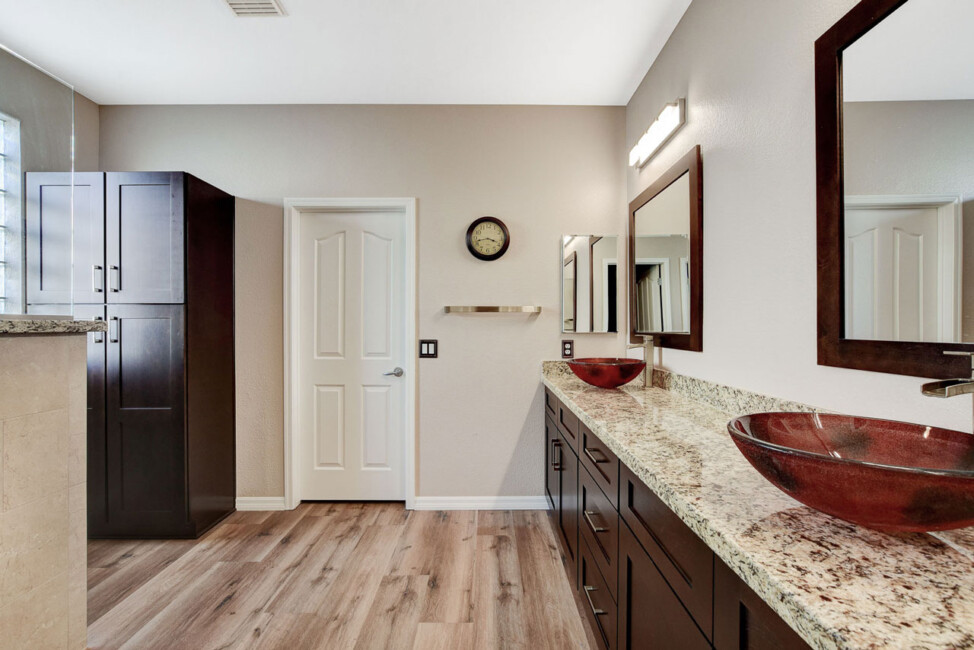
(35, 326)
(837, 584)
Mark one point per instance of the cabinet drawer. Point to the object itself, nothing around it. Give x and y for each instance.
(600, 462)
(550, 404)
(599, 526)
(684, 559)
(568, 425)
(596, 600)
(650, 614)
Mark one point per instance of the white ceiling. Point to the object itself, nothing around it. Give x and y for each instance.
(346, 51)
(923, 51)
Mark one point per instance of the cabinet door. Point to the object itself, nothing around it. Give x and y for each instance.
(145, 441)
(650, 614)
(144, 242)
(49, 238)
(552, 458)
(568, 514)
(742, 621)
(97, 342)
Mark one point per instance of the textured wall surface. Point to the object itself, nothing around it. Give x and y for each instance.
(43, 504)
(747, 71)
(544, 171)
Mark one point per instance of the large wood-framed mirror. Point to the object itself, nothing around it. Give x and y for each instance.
(666, 258)
(894, 87)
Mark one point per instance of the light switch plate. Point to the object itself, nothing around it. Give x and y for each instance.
(567, 349)
(428, 348)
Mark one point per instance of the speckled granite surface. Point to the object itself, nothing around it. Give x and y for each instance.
(21, 327)
(838, 585)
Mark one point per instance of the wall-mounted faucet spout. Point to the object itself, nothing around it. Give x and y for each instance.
(952, 387)
(648, 356)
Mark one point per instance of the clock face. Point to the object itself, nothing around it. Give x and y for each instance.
(487, 238)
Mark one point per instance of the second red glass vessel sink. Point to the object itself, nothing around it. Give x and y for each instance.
(881, 474)
(606, 372)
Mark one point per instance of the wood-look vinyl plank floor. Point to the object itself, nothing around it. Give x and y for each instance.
(339, 575)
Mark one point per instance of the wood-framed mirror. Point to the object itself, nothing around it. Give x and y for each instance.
(666, 258)
(894, 94)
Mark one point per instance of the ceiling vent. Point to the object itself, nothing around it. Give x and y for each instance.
(256, 7)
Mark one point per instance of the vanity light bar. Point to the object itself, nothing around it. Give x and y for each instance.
(669, 121)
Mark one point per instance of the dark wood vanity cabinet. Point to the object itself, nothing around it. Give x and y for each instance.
(644, 579)
(742, 621)
(650, 613)
(158, 252)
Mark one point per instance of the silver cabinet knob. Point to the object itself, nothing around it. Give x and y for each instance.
(398, 372)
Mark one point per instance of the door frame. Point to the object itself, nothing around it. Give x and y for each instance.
(293, 209)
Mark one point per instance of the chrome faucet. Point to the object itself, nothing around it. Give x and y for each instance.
(952, 387)
(648, 354)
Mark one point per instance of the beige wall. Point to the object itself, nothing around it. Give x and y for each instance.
(86, 125)
(916, 148)
(545, 171)
(43, 514)
(747, 71)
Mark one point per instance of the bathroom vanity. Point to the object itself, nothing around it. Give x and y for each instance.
(673, 540)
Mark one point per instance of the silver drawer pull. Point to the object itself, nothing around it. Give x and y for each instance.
(97, 278)
(113, 330)
(114, 278)
(591, 524)
(588, 452)
(588, 595)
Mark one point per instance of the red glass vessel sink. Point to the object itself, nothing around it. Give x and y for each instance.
(606, 372)
(891, 476)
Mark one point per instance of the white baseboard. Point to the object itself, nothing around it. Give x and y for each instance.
(260, 503)
(480, 503)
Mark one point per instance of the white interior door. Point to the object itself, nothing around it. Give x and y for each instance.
(351, 312)
(893, 273)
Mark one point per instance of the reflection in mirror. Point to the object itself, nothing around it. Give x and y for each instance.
(570, 293)
(662, 261)
(36, 134)
(590, 272)
(908, 138)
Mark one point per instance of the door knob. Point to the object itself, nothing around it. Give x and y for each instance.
(395, 373)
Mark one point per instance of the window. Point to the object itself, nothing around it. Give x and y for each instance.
(10, 197)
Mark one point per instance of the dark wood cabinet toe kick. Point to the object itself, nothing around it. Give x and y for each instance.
(644, 579)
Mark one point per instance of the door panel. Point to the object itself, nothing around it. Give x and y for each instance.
(49, 238)
(351, 313)
(144, 243)
(97, 342)
(650, 614)
(569, 502)
(553, 454)
(145, 441)
(743, 621)
(894, 277)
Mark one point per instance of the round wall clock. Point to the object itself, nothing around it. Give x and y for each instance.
(488, 238)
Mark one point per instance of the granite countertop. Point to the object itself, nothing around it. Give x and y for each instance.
(34, 326)
(837, 584)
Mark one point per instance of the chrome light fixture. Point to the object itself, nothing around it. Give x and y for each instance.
(670, 120)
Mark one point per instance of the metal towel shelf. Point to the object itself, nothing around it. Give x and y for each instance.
(492, 309)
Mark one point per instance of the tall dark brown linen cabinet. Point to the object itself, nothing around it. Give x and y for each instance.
(153, 255)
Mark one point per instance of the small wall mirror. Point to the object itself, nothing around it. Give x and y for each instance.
(590, 276)
(666, 250)
(895, 93)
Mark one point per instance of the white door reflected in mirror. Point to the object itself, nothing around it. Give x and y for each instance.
(908, 173)
(590, 283)
(662, 261)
